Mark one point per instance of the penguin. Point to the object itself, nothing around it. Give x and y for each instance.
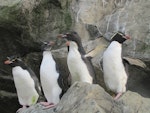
(80, 67)
(51, 79)
(115, 75)
(26, 83)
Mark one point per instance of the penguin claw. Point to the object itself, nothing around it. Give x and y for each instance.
(117, 96)
(44, 103)
(47, 105)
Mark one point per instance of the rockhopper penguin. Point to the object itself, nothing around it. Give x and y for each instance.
(80, 67)
(26, 82)
(51, 80)
(115, 76)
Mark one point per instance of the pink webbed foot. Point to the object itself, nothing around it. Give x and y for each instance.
(23, 107)
(47, 105)
(117, 96)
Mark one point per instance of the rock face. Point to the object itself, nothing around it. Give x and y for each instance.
(25, 23)
(103, 17)
(86, 98)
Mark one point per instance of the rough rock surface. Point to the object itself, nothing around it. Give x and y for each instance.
(103, 17)
(25, 23)
(86, 98)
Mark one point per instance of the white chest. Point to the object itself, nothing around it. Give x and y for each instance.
(112, 55)
(77, 66)
(25, 86)
(21, 77)
(49, 78)
(48, 67)
(115, 76)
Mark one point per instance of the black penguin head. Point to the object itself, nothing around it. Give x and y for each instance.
(74, 37)
(46, 46)
(13, 61)
(119, 37)
(71, 36)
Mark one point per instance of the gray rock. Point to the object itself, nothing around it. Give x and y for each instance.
(86, 98)
(134, 103)
(103, 17)
(25, 23)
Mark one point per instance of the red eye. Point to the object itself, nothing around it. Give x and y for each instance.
(127, 37)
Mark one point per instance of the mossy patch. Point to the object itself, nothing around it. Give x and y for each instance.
(34, 99)
(68, 20)
(9, 15)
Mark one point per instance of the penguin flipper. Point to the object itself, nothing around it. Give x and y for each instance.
(63, 80)
(126, 63)
(36, 81)
(101, 64)
(63, 83)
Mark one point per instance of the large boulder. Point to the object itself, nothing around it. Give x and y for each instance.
(86, 98)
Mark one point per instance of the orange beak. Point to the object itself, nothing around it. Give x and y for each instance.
(67, 43)
(7, 62)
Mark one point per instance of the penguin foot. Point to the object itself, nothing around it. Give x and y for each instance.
(117, 96)
(20, 109)
(47, 105)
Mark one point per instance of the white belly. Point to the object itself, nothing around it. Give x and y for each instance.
(25, 86)
(78, 68)
(115, 76)
(49, 77)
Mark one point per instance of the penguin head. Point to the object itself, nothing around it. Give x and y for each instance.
(13, 61)
(47, 45)
(71, 36)
(75, 40)
(119, 37)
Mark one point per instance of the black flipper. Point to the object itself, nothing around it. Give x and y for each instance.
(126, 65)
(36, 81)
(63, 79)
(101, 64)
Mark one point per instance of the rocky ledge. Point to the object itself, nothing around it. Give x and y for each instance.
(86, 98)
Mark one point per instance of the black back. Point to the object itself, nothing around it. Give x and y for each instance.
(73, 36)
(62, 79)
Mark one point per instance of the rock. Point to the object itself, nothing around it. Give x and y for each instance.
(86, 98)
(101, 17)
(25, 23)
(133, 103)
(136, 62)
(6, 100)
